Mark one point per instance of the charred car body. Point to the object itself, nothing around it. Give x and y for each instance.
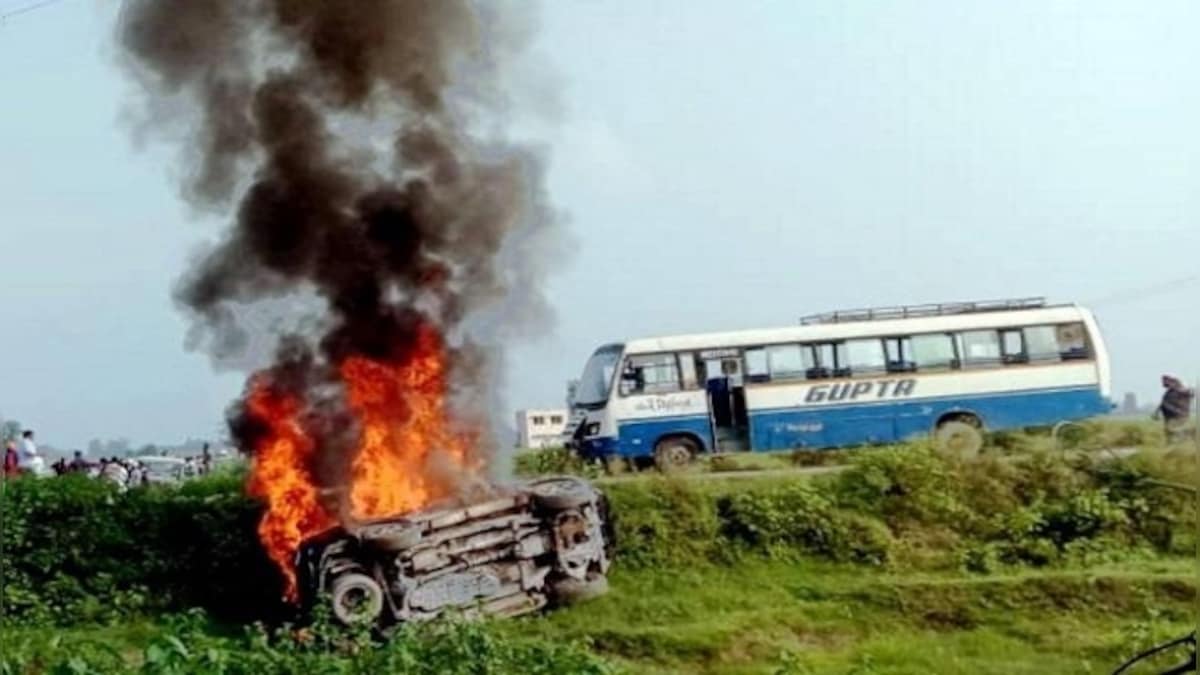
(548, 542)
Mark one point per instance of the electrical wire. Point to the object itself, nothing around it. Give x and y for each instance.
(33, 6)
(1144, 291)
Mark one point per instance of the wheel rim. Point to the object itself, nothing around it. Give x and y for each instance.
(961, 443)
(958, 442)
(355, 602)
(677, 455)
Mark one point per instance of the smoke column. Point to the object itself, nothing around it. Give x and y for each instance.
(373, 201)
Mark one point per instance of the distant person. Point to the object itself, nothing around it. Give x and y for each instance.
(31, 461)
(12, 461)
(79, 464)
(205, 460)
(115, 473)
(59, 466)
(1175, 409)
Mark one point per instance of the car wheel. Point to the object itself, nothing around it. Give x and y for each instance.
(674, 453)
(357, 599)
(562, 493)
(391, 536)
(959, 439)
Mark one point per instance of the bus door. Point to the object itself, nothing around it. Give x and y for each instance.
(724, 384)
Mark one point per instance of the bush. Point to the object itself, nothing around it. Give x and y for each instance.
(905, 485)
(75, 549)
(805, 517)
(552, 462)
(665, 521)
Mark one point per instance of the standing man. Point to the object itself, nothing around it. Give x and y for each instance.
(79, 464)
(1175, 409)
(31, 461)
(12, 460)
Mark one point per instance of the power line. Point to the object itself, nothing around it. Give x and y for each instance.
(1139, 293)
(26, 9)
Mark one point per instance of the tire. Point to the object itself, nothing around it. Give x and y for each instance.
(958, 439)
(674, 453)
(356, 598)
(393, 537)
(561, 493)
(570, 591)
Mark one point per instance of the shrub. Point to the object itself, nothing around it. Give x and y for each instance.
(77, 550)
(904, 485)
(805, 517)
(552, 461)
(664, 521)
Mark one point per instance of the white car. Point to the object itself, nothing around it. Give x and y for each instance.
(547, 542)
(163, 470)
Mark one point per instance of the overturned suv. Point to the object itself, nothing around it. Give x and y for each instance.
(548, 542)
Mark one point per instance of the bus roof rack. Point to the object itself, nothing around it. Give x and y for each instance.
(914, 311)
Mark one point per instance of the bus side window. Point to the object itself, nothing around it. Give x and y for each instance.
(650, 374)
(786, 362)
(860, 357)
(688, 366)
(1012, 346)
(1041, 343)
(756, 365)
(819, 362)
(980, 348)
(1072, 342)
(934, 351)
(899, 355)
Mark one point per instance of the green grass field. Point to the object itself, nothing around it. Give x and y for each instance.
(780, 617)
(773, 616)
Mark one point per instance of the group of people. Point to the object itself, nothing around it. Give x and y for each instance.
(21, 457)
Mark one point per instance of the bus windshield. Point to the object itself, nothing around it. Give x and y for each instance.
(597, 376)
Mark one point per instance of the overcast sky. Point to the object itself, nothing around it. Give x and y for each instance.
(724, 165)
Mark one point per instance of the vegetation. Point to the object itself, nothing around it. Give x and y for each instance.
(905, 561)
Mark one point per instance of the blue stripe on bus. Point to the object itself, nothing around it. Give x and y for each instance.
(873, 423)
(935, 399)
(636, 438)
(839, 426)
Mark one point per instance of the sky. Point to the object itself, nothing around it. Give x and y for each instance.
(721, 165)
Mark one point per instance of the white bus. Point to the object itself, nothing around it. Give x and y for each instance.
(843, 379)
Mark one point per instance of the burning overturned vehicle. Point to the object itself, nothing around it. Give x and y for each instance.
(548, 542)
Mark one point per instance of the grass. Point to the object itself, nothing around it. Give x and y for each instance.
(765, 616)
(798, 616)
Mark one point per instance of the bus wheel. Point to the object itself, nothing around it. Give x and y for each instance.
(959, 439)
(674, 453)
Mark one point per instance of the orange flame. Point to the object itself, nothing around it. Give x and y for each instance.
(408, 454)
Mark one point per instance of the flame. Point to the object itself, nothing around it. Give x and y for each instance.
(281, 479)
(408, 453)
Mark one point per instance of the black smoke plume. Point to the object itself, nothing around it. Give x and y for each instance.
(353, 144)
